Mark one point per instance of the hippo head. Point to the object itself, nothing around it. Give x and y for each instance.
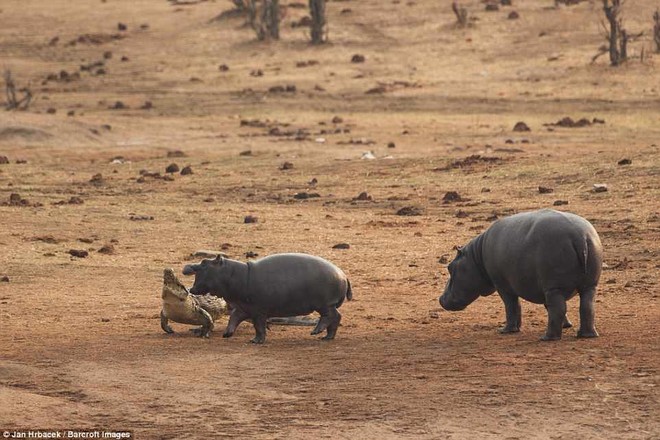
(467, 281)
(208, 275)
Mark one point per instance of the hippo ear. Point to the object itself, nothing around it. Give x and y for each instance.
(219, 260)
(459, 250)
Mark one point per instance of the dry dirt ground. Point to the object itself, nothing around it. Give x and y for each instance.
(80, 342)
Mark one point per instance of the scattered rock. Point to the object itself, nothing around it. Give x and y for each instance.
(391, 145)
(257, 72)
(545, 190)
(306, 195)
(53, 41)
(358, 58)
(492, 7)
(521, 126)
(4, 160)
(409, 211)
(137, 218)
(172, 168)
(462, 214)
(122, 27)
(176, 153)
(97, 179)
(118, 105)
(313, 182)
(342, 246)
(306, 63)
(444, 259)
(485, 189)
(599, 187)
(148, 105)
(505, 2)
(250, 219)
(624, 162)
(51, 111)
(250, 254)
(245, 153)
(105, 319)
(78, 253)
(363, 196)
(107, 249)
(513, 15)
(107, 54)
(223, 68)
(47, 239)
(286, 166)
(451, 196)
(337, 120)
(186, 171)
(368, 155)
(86, 240)
(560, 202)
(568, 122)
(124, 58)
(4, 279)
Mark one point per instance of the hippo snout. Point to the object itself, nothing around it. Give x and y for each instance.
(188, 269)
(452, 306)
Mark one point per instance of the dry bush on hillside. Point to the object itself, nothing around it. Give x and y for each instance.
(14, 103)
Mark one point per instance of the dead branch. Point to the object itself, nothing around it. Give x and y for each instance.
(13, 103)
(656, 30)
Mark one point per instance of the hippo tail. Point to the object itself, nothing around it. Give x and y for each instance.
(349, 291)
(582, 251)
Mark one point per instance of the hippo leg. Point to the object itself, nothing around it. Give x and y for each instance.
(164, 323)
(567, 323)
(513, 314)
(555, 303)
(323, 323)
(259, 323)
(237, 316)
(587, 314)
(335, 319)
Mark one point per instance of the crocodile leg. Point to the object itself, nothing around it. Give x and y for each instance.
(164, 323)
(207, 327)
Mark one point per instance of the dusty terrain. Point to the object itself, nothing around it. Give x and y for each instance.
(81, 345)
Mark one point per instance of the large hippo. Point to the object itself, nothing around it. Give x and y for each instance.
(275, 286)
(542, 256)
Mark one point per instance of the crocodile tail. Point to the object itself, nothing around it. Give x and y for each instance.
(349, 291)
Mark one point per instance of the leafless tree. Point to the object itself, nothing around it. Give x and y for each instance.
(461, 13)
(264, 17)
(13, 102)
(656, 30)
(617, 35)
(319, 23)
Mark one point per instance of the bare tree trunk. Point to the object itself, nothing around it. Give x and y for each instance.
(618, 38)
(272, 18)
(317, 11)
(656, 30)
(461, 14)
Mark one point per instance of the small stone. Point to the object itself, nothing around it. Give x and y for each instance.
(107, 54)
(105, 319)
(78, 253)
(97, 179)
(492, 7)
(313, 182)
(363, 196)
(391, 145)
(245, 153)
(250, 219)
(186, 171)
(545, 190)
(118, 105)
(4, 160)
(444, 259)
(624, 162)
(485, 189)
(337, 120)
(172, 168)
(521, 126)
(148, 105)
(4, 279)
(599, 187)
(434, 315)
(176, 153)
(357, 58)
(513, 15)
(451, 196)
(51, 111)
(286, 166)
(305, 195)
(461, 214)
(560, 202)
(409, 211)
(122, 27)
(223, 68)
(342, 246)
(250, 254)
(107, 249)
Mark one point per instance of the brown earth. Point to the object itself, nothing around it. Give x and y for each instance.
(80, 344)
